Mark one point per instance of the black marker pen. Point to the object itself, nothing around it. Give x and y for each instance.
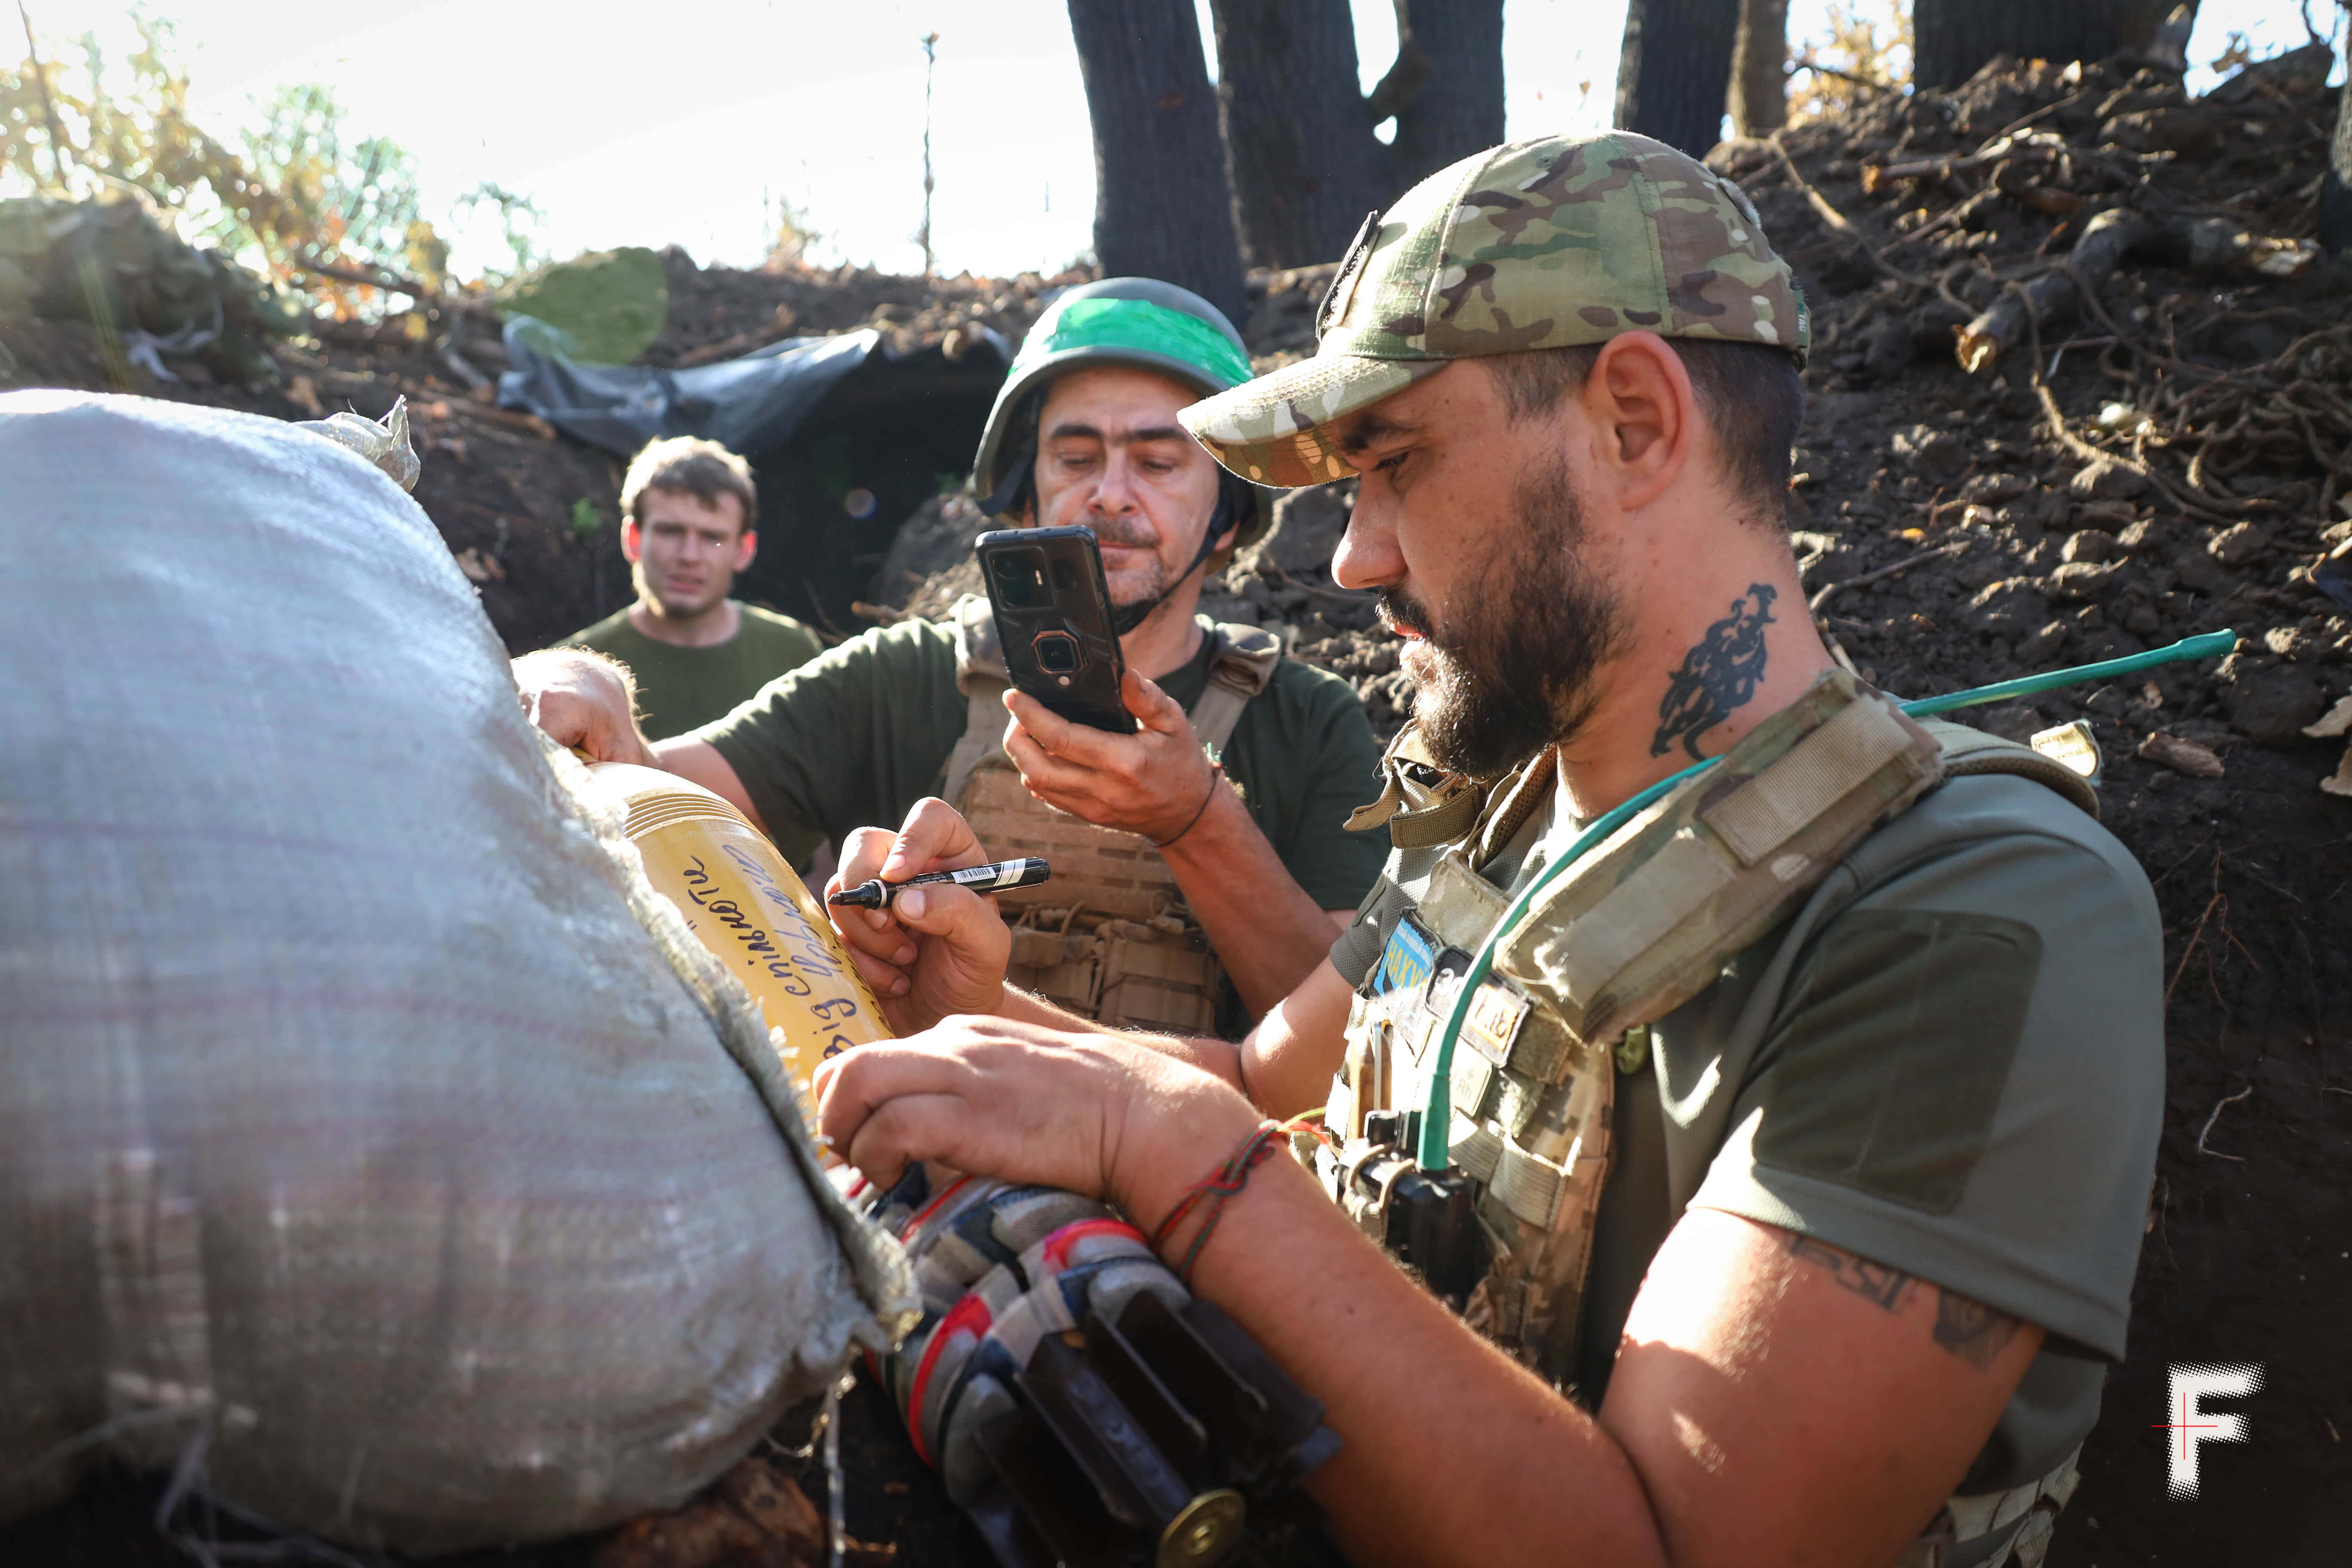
(989, 879)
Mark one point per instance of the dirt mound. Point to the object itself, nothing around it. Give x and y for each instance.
(715, 313)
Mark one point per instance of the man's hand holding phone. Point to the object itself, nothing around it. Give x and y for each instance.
(1155, 781)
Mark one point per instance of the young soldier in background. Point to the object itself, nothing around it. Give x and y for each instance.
(690, 513)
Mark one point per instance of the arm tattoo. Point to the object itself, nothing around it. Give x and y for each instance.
(1718, 674)
(1884, 1288)
(1964, 1326)
(1970, 1330)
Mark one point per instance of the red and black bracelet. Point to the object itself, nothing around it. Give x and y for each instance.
(1208, 1197)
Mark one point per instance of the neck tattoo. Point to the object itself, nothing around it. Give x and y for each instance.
(1719, 674)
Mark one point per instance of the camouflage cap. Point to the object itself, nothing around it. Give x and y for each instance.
(1538, 244)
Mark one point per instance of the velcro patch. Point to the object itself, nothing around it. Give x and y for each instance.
(1895, 1050)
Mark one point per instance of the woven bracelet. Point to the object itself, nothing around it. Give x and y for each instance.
(1208, 1197)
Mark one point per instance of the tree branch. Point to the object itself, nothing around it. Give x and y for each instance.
(1795, 65)
(389, 283)
(1830, 589)
(1838, 222)
(1402, 79)
(49, 105)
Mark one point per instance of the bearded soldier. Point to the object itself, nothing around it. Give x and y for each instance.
(1784, 1153)
(1210, 841)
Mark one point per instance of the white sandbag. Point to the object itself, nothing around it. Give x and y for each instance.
(367, 1129)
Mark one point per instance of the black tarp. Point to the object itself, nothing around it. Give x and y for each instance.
(820, 419)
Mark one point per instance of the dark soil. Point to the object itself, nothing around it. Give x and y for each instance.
(2053, 560)
(715, 312)
(502, 485)
(2245, 1255)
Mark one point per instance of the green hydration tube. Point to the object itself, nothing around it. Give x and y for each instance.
(2212, 645)
(1437, 1116)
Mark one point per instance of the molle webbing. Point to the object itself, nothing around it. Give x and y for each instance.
(1110, 936)
(983, 679)
(1637, 927)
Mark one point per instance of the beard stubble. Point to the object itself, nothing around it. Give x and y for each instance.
(1514, 669)
(1136, 584)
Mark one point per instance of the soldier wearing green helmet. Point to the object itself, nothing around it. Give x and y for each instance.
(1139, 322)
(1762, 1085)
(1208, 847)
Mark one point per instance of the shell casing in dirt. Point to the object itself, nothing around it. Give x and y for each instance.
(750, 910)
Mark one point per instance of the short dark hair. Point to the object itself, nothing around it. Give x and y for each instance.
(1751, 393)
(703, 470)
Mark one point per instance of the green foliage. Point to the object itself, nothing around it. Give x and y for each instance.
(298, 198)
(1864, 51)
(587, 521)
(111, 262)
(607, 306)
(76, 129)
(358, 202)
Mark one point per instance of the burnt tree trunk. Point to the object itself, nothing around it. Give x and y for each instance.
(1674, 70)
(1953, 38)
(1759, 68)
(1162, 207)
(2336, 187)
(1298, 135)
(1446, 89)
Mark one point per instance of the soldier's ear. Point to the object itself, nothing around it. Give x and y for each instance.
(632, 540)
(1639, 395)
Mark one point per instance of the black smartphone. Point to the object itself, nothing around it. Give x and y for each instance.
(1054, 621)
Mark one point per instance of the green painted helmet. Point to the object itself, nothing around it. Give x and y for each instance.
(1137, 321)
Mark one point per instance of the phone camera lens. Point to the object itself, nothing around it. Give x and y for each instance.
(1057, 653)
(1019, 576)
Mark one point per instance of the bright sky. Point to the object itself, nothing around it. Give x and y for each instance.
(686, 123)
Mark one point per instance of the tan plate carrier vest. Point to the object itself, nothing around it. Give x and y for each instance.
(1644, 922)
(1110, 936)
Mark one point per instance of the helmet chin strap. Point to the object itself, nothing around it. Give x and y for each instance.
(1125, 619)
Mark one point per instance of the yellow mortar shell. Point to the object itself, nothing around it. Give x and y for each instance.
(747, 907)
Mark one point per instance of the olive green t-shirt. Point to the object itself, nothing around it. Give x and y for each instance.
(1950, 1061)
(856, 737)
(682, 689)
